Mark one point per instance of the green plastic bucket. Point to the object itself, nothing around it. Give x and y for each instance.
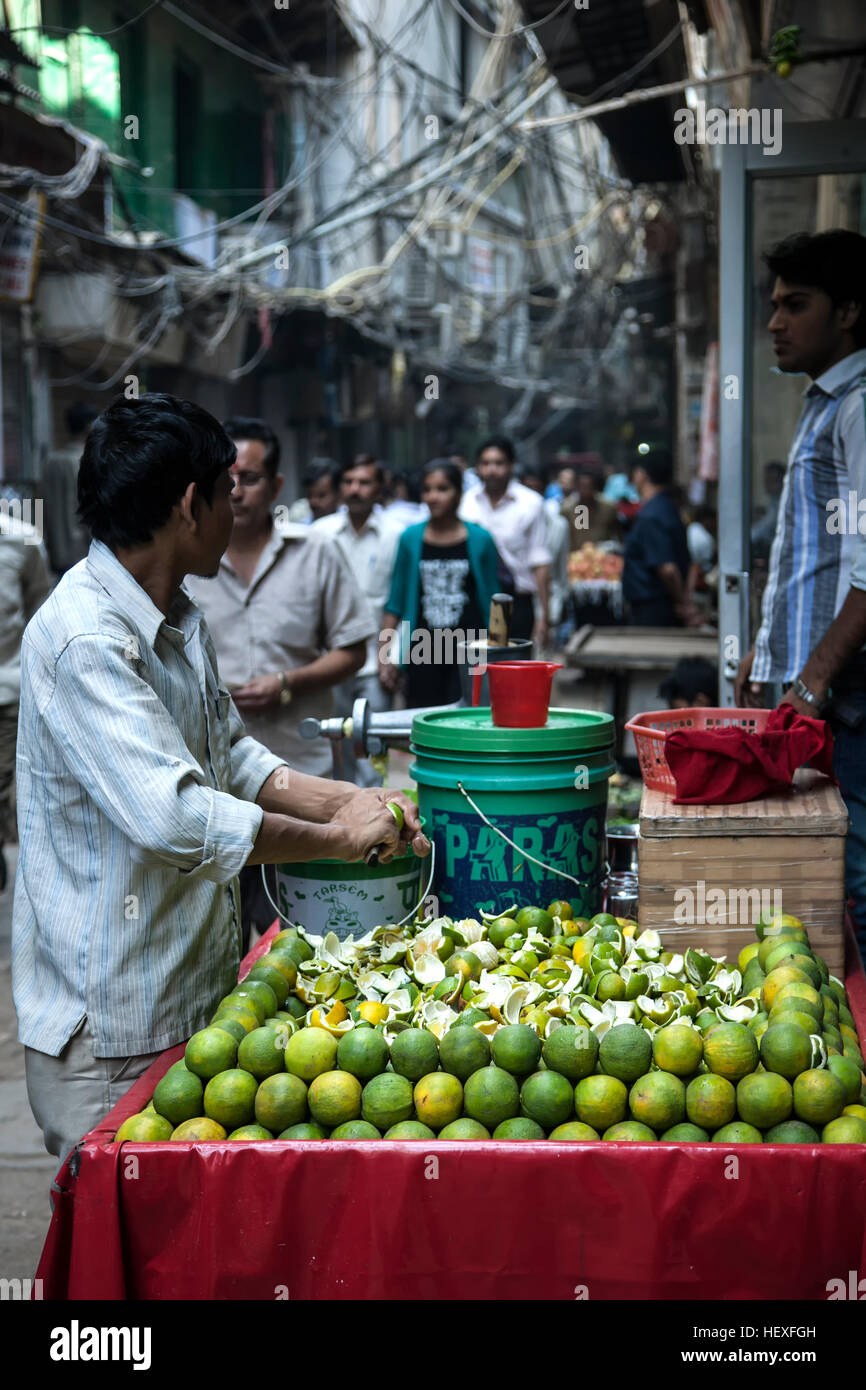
(325, 895)
(545, 789)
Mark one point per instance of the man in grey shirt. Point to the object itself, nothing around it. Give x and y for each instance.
(288, 622)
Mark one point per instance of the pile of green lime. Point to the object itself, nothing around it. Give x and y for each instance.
(318, 1043)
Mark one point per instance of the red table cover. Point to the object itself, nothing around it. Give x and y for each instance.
(454, 1221)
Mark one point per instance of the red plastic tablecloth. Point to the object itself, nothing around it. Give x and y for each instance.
(454, 1221)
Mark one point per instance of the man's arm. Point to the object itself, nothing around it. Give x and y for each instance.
(847, 632)
(299, 796)
(263, 692)
(670, 576)
(842, 640)
(541, 574)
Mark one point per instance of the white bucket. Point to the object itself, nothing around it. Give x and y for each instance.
(329, 895)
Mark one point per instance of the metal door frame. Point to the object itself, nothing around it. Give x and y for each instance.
(819, 147)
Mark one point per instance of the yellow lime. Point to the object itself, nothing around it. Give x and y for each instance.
(144, 1129)
(731, 1051)
(600, 1101)
(819, 1097)
(334, 1098)
(677, 1049)
(438, 1099)
(201, 1130)
(310, 1052)
(629, 1132)
(846, 1129)
(658, 1099)
(573, 1132)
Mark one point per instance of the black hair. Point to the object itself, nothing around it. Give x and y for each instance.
(691, 677)
(319, 469)
(364, 461)
(500, 442)
(249, 427)
(139, 459)
(832, 261)
(410, 480)
(78, 416)
(452, 472)
(658, 466)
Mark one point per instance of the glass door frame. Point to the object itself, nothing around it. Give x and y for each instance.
(819, 147)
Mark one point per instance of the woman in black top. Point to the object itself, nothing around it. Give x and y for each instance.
(444, 577)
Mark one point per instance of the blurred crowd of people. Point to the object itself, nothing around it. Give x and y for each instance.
(309, 590)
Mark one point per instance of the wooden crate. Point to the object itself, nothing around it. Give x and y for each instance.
(792, 844)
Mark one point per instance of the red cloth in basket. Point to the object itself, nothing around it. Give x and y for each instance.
(727, 765)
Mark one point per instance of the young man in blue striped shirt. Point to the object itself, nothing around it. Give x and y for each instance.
(813, 629)
(139, 795)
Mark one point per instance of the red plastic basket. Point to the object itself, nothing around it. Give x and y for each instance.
(650, 731)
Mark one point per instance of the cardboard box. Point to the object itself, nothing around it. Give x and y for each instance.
(706, 873)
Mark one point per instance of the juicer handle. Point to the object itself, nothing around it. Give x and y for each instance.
(499, 622)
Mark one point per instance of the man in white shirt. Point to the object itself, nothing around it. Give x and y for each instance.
(24, 584)
(514, 516)
(369, 542)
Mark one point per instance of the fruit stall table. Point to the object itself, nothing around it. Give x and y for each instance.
(633, 661)
(440, 1220)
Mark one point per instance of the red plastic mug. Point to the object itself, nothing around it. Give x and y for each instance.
(519, 692)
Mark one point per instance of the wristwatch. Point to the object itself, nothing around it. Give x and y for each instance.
(285, 692)
(803, 693)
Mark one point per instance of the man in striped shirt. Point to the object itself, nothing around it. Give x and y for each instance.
(813, 626)
(139, 796)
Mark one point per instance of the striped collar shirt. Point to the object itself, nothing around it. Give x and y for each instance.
(818, 551)
(136, 792)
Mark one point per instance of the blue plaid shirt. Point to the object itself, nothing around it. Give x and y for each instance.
(814, 562)
(136, 791)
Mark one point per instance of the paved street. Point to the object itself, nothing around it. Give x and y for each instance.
(26, 1169)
